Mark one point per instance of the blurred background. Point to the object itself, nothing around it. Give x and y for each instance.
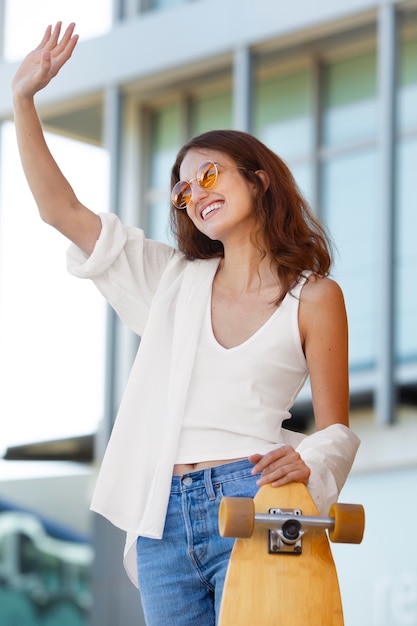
(332, 88)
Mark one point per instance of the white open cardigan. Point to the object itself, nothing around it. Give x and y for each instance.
(162, 296)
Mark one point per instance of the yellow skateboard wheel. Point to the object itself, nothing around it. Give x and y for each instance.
(349, 523)
(236, 517)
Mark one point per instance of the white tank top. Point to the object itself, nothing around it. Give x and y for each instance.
(239, 397)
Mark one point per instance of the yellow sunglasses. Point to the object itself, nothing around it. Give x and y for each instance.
(206, 177)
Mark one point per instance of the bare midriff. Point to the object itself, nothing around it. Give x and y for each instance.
(185, 468)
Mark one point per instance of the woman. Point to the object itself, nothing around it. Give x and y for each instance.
(231, 324)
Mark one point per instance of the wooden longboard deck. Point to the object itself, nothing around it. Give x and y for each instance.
(282, 589)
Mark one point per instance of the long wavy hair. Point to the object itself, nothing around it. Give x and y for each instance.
(286, 231)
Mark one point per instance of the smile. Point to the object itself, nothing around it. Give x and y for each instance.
(209, 209)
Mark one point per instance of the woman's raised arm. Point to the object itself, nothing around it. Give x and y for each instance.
(56, 200)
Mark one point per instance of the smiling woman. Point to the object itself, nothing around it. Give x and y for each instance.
(231, 323)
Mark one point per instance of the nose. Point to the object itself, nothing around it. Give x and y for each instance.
(197, 192)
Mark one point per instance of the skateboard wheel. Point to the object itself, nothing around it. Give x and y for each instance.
(349, 523)
(236, 517)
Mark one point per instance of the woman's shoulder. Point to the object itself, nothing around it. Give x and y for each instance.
(322, 314)
(320, 288)
(321, 302)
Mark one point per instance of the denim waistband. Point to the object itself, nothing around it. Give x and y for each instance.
(207, 478)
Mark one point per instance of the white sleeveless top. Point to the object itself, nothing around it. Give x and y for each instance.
(238, 397)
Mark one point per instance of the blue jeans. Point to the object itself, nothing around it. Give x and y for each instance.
(181, 577)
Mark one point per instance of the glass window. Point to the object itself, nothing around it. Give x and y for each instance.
(283, 116)
(283, 120)
(407, 90)
(350, 210)
(211, 113)
(349, 100)
(406, 257)
(406, 205)
(303, 175)
(25, 21)
(166, 139)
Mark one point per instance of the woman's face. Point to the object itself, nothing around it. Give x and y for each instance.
(224, 211)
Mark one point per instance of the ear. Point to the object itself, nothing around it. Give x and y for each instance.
(264, 178)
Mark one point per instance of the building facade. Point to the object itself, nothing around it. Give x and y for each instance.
(332, 88)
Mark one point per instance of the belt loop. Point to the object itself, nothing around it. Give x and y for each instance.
(209, 484)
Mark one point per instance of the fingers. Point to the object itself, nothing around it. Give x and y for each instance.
(51, 41)
(57, 51)
(64, 49)
(55, 35)
(46, 37)
(66, 40)
(279, 467)
(262, 462)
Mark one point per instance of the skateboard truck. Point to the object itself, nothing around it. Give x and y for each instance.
(237, 518)
(288, 538)
(287, 526)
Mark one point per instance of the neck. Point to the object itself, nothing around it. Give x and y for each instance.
(243, 270)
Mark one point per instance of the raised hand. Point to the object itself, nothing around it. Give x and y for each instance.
(44, 62)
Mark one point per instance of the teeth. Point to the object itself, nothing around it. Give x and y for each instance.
(209, 209)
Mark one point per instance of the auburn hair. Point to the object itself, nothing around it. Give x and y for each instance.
(287, 231)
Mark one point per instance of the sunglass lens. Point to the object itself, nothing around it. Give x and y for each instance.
(181, 194)
(207, 174)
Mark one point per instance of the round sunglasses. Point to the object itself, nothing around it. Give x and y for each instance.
(207, 174)
(206, 177)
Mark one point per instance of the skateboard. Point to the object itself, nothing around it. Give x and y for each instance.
(281, 571)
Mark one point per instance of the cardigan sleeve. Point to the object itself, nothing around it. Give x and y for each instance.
(329, 453)
(126, 268)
